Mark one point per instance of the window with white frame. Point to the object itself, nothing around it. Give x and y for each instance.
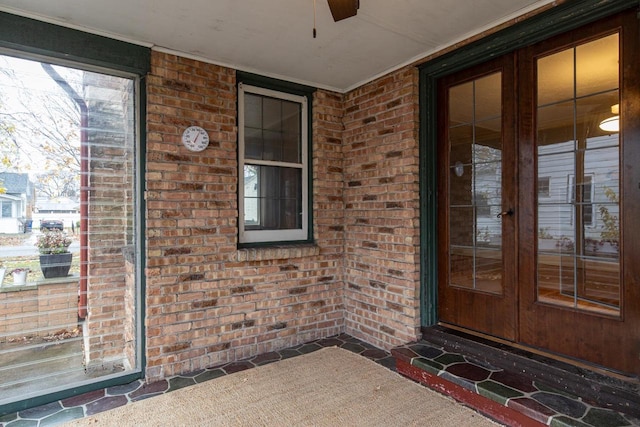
(6, 209)
(586, 188)
(273, 165)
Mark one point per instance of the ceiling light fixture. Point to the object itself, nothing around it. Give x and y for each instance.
(612, 124)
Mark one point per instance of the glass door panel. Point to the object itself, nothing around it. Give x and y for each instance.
(475, 184)
(578, 209)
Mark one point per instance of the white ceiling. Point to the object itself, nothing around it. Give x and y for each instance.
(275, 37)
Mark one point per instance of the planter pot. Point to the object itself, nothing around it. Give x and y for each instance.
(20, 278)
(55, 265)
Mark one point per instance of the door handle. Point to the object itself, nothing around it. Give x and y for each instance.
(510, 212)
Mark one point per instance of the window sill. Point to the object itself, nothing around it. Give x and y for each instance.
(278, 252)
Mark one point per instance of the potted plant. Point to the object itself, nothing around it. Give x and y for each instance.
(55, 258)
(19, 276)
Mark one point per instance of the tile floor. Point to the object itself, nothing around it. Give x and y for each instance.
(541, 403)
(536, 400)
(101, 400)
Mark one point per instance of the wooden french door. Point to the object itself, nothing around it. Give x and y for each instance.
(538, 195)
(477, 266)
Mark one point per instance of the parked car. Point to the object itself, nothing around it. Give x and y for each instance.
(51, 224)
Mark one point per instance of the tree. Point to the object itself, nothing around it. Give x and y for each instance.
(39, 128)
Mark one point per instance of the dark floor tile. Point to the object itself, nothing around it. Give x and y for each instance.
(145, 396)
(532, 409)
(348, 338)
(41, 411)
(8, 417)
(604, 418)
(388, 362)
(177, 383)
(105, 404)
(209, 374)
(519, 382)
(151, 388)
(309, 348)
(354, 347)
(428, 365)
(563, 421)
(83, 398)
(462, 382)
(486, 364)
(543, 386)
(62, 417)
(265, 358)
(450, 358)
(192, 374)
(374, 354)
(468, 371)
(497, 392)
(561, 404)
(426, 350)
(234, 367)
(405, 353)
(22, 423)
(368, 346)
(124, 389)
(237, 367)
(288, 353)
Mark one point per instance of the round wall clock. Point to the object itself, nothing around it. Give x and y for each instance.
(195, 138)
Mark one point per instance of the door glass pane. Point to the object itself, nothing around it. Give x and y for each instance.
(578, 207)
(475, 184)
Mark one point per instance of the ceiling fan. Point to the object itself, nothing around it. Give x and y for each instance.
(342, 9)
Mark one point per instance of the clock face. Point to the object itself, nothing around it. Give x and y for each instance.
(195, 138)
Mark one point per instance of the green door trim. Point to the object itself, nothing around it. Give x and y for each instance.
(559, 19)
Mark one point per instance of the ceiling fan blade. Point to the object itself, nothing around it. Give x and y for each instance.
(342, 9)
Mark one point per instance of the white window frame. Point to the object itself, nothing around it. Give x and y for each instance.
(571, 197)
(264, 236)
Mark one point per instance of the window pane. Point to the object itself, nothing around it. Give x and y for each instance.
(253, 111)
(273, 198)
(6, 209)
(597, 66)
(72, 187)
(578, 200)
(272, 129)
(556, 77)
(475, 184)
(253, 143)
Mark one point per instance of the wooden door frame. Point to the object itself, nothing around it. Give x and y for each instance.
(554, 21)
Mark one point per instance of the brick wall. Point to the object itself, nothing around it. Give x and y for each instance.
(41, 310)
(207, 302)
(380, 144)
(109, 228)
